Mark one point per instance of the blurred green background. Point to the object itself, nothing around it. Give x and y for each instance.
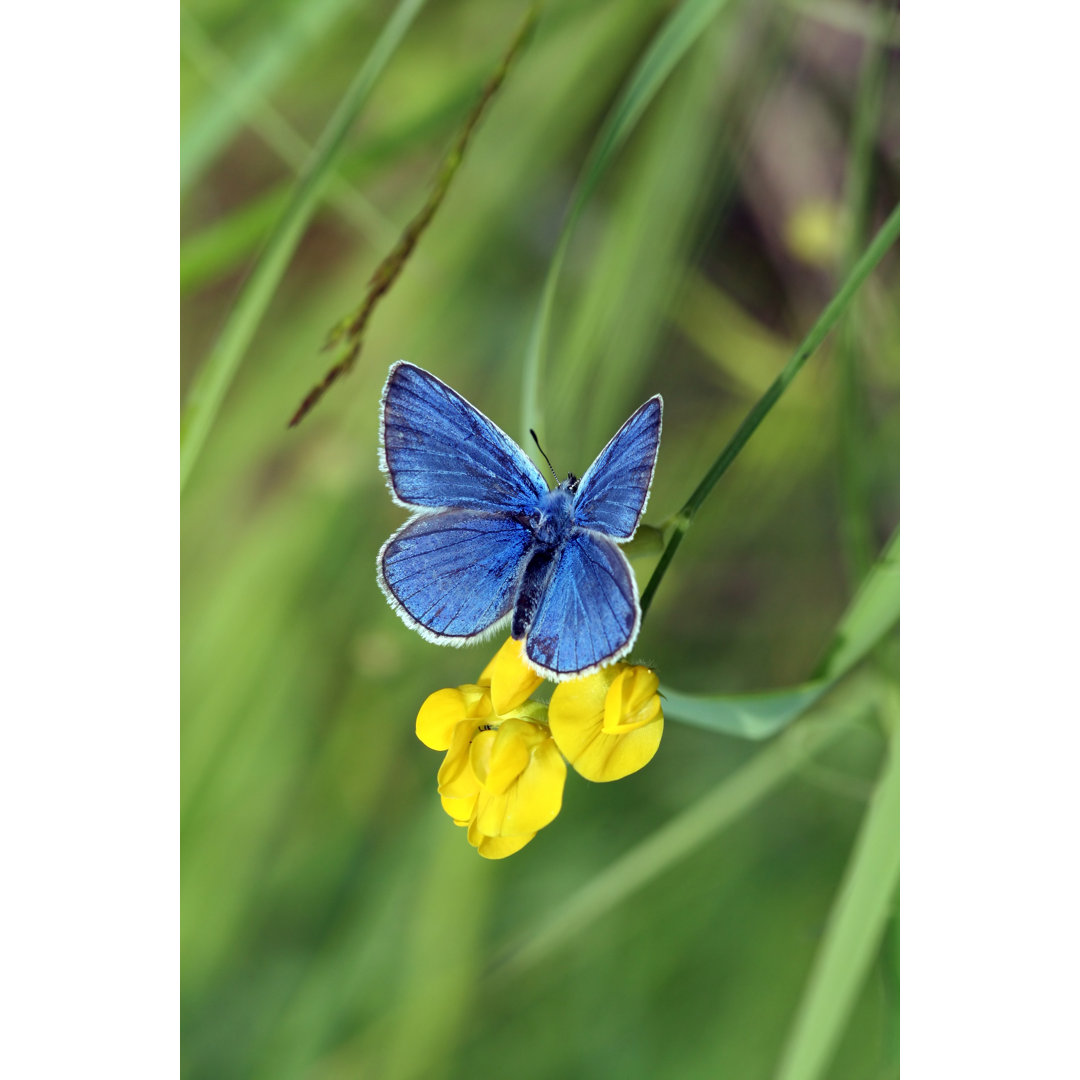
(335, 923)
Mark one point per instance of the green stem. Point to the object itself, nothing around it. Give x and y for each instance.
(881, 243)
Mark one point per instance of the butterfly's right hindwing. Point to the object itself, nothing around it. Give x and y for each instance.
(440, 451)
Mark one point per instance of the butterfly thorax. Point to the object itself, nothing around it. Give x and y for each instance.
(553, 517)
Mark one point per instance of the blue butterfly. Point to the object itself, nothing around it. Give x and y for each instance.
(489, 541)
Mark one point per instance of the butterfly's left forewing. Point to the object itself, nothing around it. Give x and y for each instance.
(612, 495)
(589, 613)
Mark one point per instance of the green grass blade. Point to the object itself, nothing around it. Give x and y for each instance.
(889, 965)
(733, 797)
(886, 237)
(854, 433)
(872, 613)
(224, 112)
(680, 31)
(745, 716)
(856, 924)
(219, 369)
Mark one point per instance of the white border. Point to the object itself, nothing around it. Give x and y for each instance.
(990, 744)
(89, 774)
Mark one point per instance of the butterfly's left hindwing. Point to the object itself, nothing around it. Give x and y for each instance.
(451, 575)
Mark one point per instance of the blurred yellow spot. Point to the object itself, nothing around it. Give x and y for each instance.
(813, 232)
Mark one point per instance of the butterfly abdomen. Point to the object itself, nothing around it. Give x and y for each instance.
(534, 579)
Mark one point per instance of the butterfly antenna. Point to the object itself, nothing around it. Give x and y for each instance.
(546, 458)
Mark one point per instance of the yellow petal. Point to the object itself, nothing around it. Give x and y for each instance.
(438, 716)
(460, 810)
(611, 757)
(499, 757)
(598, 748)
(631, 701)
(512, 681)
(456, 777)
(576, 712)
(534, 799)
(477, 700)
(496, 847)
(444, 709)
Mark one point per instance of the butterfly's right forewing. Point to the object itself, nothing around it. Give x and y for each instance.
(438, 450)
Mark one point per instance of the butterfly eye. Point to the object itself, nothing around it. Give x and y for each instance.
(572, 483)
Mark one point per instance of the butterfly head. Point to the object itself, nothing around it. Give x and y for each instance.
(570, 483)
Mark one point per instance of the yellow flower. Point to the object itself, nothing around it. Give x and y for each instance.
(502, 777)
(608, 724)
